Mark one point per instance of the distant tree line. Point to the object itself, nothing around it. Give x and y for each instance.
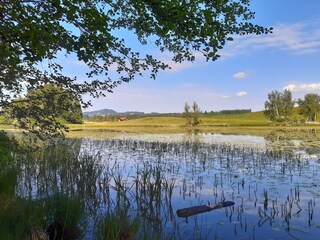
(279, 106)
(114, 118)
(234, 111)
(100, 118)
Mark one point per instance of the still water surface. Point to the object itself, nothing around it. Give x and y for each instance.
(276, 190)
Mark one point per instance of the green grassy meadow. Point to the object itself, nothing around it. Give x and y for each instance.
(247, 123)
(177, 124)
(254, 123)
(207, 120)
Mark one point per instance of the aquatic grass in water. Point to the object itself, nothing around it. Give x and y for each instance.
(118, 225)
(57, 216)
(233, 172)
(141, 183)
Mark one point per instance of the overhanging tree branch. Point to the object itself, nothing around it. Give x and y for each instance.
(34, 32)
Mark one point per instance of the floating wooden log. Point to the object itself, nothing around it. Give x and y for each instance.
(187, 212)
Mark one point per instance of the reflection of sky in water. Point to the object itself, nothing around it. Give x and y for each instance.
(211, 168)
(227, 167)
(212, 138)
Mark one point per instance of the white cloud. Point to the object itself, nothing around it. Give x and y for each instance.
(77, 62)
(298, 38)
(166, 57)
(178, 67)
(311, 87)
(241, 94)
(240, 75)
(225, 97)
(154, 97)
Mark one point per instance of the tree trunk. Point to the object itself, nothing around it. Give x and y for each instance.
(277, 112)
(190, 211)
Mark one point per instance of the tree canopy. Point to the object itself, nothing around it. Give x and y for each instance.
(34, 34)
(45, 110)
(279, 105)
(310, 106)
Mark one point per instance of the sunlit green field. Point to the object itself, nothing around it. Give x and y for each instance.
(250, 119)
(249, 123)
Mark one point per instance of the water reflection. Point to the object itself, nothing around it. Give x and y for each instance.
(304, 142)
(141, 181)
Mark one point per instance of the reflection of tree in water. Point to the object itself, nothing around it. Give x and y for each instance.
(52, 187)
(8, 174)
(279, 143)
(311, 142)
(293, 141)
(53, 169)
(192, 135)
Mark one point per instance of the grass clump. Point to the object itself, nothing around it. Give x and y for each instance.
(65, 215)
(118, 226)
(53, 218)
(20, 218)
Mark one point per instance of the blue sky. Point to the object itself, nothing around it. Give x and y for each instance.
(250, 67)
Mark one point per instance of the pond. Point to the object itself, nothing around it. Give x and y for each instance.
(130, 186)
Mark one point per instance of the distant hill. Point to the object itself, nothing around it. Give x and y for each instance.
(111, 112)
(106, 111)
(101, 112)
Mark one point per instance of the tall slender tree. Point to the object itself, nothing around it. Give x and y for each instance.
(187, 114)
(196, 114)
(192, 116)
(287, 103)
